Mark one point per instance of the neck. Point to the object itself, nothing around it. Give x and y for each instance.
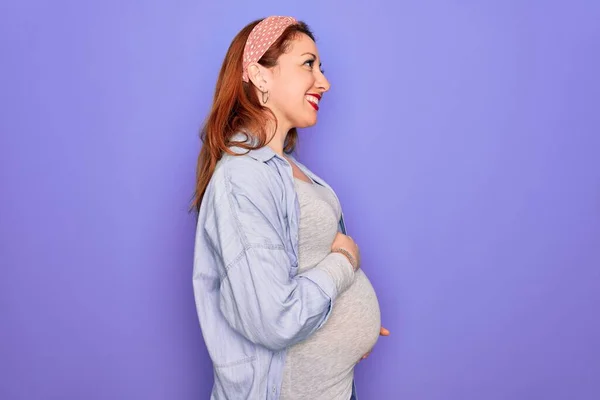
(278, 141)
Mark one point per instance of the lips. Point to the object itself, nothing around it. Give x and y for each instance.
(313, 99)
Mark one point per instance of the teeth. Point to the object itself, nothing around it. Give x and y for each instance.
(312, 99)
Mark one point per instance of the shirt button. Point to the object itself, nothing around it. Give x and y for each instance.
(274, 389)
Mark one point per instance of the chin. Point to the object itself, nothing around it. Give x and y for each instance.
(307, 124)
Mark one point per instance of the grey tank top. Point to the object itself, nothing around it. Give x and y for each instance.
(322, 366)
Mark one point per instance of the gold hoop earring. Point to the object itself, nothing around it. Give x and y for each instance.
(265, 97)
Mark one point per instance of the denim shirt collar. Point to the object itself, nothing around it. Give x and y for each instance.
(263, 154)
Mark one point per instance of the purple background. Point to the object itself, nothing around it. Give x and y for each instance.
(463, 138)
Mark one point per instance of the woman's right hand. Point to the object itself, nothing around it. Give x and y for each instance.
(345, 242)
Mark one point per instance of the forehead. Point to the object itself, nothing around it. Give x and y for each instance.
(302, 44)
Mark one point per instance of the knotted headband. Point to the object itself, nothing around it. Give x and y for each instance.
(263, 35)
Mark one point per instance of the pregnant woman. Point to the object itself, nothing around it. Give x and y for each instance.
(285, 310)
(322, 366)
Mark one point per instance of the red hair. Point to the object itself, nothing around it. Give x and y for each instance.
(236, 107)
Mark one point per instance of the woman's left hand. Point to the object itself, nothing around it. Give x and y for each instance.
(382, 332)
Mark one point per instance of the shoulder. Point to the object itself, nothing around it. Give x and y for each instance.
(242, 174)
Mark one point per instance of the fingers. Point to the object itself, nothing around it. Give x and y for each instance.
(365, 356)
(383, 332)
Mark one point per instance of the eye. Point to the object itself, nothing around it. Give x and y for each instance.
(311, 64)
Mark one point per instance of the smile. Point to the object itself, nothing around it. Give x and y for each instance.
(313, 99)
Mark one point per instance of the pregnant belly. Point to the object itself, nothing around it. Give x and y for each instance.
(351, 331)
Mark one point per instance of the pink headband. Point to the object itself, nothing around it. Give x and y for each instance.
(263, 35)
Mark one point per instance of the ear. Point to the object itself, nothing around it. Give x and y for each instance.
(259, 76)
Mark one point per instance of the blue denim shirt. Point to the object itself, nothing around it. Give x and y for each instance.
(251, 302)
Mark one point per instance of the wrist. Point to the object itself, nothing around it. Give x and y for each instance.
(349, 256)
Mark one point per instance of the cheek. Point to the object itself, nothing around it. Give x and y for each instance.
(292, 97)
(289, 95)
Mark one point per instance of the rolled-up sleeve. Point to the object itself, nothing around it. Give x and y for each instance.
(258, 297)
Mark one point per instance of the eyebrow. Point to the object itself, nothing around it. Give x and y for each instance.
(320, 63)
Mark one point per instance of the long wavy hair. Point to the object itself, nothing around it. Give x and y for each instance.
(236, 107)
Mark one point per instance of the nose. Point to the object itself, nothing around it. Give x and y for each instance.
(322, 83)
